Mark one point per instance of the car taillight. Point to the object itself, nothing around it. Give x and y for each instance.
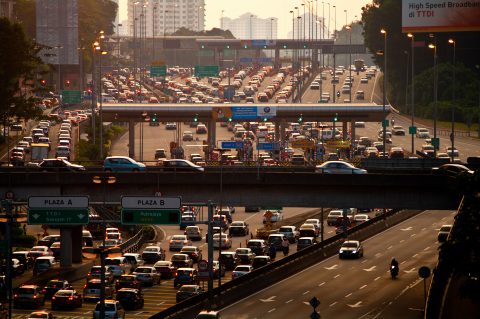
(191, 275)
(176, 274)
(53, 298)
(85, 286)
(44, 291)
(70, 298)
(35, 297)
(171, 241)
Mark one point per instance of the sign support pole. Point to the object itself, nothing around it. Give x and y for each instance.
(210, 251)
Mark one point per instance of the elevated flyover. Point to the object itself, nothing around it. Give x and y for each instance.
(286, 189)
(280, 114)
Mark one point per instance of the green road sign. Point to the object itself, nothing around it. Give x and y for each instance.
(386, 123)
(412, 130)
(71, 97)
(158, 70)
(150, 216)
(206, 70)
(436, 142)
(58, 216)
(3, 246)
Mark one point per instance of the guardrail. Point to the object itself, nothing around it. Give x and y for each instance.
(134, 243)
(242, 287)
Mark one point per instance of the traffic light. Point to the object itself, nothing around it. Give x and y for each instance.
(264, 119)
(300, 119)
(229, 119)
(245, 46)
(305, 46)
(284, 46)
(43, 82)
(195, 119)
(228, 47)
(203, 46)
(335, 119)
(154, 118)
(67, 83)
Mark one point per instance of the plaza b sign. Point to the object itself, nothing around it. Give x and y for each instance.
(440, 15)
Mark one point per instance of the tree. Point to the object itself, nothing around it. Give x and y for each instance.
(213, 32)
(18, 61)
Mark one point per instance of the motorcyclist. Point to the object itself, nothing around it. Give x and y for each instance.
(338, 93)
(394, 263)
(285, 246)
(394, 268)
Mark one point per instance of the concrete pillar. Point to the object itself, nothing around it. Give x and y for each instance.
(77, 244)
(277, 130)
(131, 138)
(282, 132)
(345, 130)
(66, 247)
(212, 132)
(352, 130)
(276, 63)
(215, 56)
(315, 59)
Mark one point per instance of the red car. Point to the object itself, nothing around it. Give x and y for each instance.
(165, 268)
(66, 299)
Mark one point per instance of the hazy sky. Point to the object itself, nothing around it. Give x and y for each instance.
(273, 8)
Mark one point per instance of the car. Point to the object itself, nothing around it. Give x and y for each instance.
(187, 136)
(147, 275)
(23, 258)
(275, 240)
(201, 129)
(361, 218)
(122, 164)
(186, 220)
(272, 216)
(130, 298)
(229, 260)
(422, 133)
(216, 269)
(451, 151)
(152, 254)
(258, 246)
(308, 230)
(188, 291)
(364, 80)
(241, 270)
(134, 259)
(185, 276)
(96, 272)
(113, 310)
(92, 288)
(245, 255)
(127, 281)
(171, 126)
(28, 295)
(333, 216)
(41, 315)
(313, 221)
(193, 252)
(179, 165)
(451, 170)
(360, 95)
(181, 260)
(398, 130)
(238, 228)
(290, 232)
(160, 154)
(351, 248)
(304, 242)
(48, 240)
(222, 241)
(66, 299)
(260, 261)
(42, 264)
(117, 265)
(59, 165)
(193, 232)
(338, 167)
(220, 221)
(208, 314)
(62, 151)
(16, 266)
(396, 152)
(178, 241)
(166, 269)
(315, 86)
(55, 285)
(443, 233)
(117, 236)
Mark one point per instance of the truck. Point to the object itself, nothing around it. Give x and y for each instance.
(39, 151)
(359, 65)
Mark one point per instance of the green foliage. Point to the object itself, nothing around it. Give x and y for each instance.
(24, 241)
(213, 32)
(18, 61)
(149, 232)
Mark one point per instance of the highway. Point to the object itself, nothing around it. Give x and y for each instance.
(355, 288)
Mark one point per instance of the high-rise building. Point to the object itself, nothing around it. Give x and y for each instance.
(161, 17)
(249, 26)
(313, 31)
(6, 8)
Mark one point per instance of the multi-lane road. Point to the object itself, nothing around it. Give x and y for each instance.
(356, 288)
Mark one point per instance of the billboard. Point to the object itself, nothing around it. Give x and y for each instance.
(57, 30)
(243, 112)
(440, 15)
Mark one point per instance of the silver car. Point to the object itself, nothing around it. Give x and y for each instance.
(147, 275)
(338, 167)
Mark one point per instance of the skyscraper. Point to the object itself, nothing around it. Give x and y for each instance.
(165, 16)
(249, 26)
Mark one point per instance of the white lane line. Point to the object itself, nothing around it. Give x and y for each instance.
(348, 295)
(427, 248)
(403, 262)
(378, 255)
(333, 304)
(412, 235)
(306, 292)
(389, 247)
(321, 284)
(336, 276)
(138, 313)
(376, 278)
(401, 241)
(161, 303)
(271, 310)
(363, 287)
(289, 301)
(364, 261)
(414, 255)
(424, 228)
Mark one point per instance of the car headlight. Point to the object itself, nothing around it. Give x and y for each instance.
(355, 251)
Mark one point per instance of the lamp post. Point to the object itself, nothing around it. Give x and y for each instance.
(154, 16)
(221, 20)
(452, 134)
(174, 13)
(293, 50)
(251, 27)
(412, 93)
(164, 24)
(299, 57)
(101, 103)
(433, 46)
(384, 124)
(334, 60)
(104, 180)
(198, 19)
(349, 28)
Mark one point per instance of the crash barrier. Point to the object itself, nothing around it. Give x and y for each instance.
(134, 243)
(402, 163)
(272, 273)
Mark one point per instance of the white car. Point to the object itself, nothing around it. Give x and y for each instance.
(113, 310)
(398, 130)
(178, 241)
(361, 218)
(224, 241)
(276, 216)
(241, 270)
(338, 167)
(118, 265)
(422, 133)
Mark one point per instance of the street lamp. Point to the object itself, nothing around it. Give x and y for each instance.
(349, 28)
(384, 123)
(435, 143)
(412, 93)
(452, 134)
(101, 103)
(251, 30)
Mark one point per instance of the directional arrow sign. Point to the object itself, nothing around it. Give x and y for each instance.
(270, 299)
(356, 305)
(41, 216)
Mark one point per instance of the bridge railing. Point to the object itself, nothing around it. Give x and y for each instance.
(265, 276)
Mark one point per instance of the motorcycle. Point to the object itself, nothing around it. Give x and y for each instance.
(394, 271)
(272, 252)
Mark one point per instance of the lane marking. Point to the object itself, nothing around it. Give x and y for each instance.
(401, 241)
(337, 276)
(376, 278)
(389, 247)
(427, 248)
(306, 292)
(271, 310)
(289, 301)
(414, 255)
(363, 287)
(321, 284)
(412, 235)
(333, 304)
(348, 295)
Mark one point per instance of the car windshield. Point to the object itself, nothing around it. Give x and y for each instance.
(26, 291)
(179, 257)
(188, 249)
(143, 270)
(285, 230)
(237, 224)
(178, 238)
(151, 249)
(63, 293)
(188, 288)
(242, 251)
(108, 307)
(163, 264)
(125, 294)
(37, 249)
(111, 262)
(254, 243)
(184, 272)
(55, 284)
(127, 278)
(304, 241)
(242, 268)
(93, 285)
(349, 245)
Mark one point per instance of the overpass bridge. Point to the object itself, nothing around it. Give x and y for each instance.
(279, 114)
(257, 188)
